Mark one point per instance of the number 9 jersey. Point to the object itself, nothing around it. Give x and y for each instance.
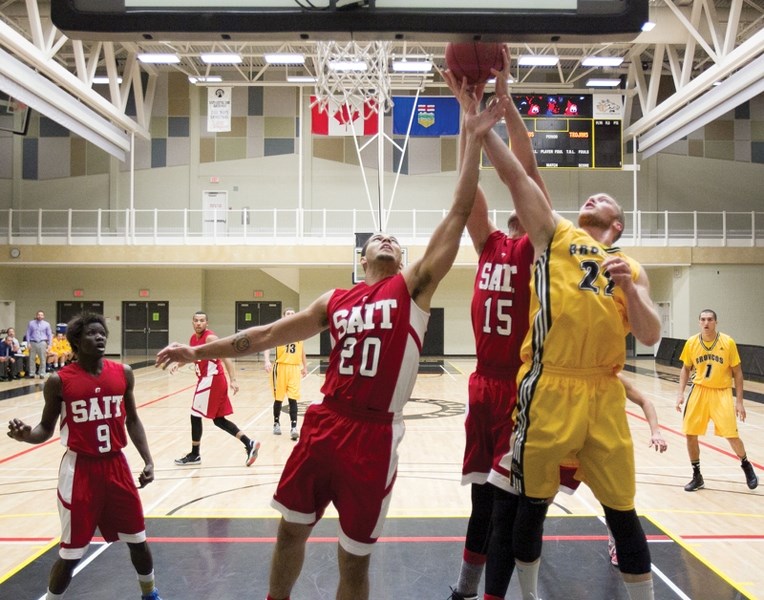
(92, 415)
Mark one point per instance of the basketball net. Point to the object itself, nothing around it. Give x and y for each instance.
(354, 74)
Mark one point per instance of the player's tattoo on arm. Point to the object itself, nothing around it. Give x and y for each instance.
(241, 343)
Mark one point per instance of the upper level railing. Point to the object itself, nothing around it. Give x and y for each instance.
(315, 227)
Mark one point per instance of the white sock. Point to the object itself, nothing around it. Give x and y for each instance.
(640, 590)
(51, 596)
(528, 576)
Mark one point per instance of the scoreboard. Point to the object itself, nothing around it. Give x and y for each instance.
(572, 131)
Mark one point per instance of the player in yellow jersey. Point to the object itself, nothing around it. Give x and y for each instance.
(711, 357)
(586, 296)
(290, 367)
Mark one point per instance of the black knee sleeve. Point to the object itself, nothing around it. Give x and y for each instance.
(528, 530)
(479, 525)
(226, 425)
(630, 541)
(501, 559)
(292, 410)
(196, 428)
(276, 410)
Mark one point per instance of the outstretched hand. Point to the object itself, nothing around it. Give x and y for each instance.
(502, 77)
(174, 356)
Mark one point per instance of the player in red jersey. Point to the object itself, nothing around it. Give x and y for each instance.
(348, 450)
(211, 399)
(500, 305)
(93, 398)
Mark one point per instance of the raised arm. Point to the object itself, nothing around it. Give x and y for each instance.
(533, 209)
(424, 275)
(479, 224)
(517, 132)
(302, 325)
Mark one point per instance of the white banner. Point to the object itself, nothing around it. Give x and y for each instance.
(218, 109)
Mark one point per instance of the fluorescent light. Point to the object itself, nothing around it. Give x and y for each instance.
(301, 79)
(284, 58)
(208, 79)
(412, 66)
(348, 65)
(104, 79)
(648, 26)
(493, 80)
(159, 59)
(603, 82)
(537, 60)
(602, 61)
(220, 58)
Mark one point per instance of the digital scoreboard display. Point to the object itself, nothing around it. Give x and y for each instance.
(572, 131)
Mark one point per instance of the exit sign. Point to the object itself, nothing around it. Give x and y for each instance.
(79, 293)
(143, 293)
(258, 294)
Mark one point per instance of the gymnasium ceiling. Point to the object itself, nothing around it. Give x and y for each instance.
(695, 45)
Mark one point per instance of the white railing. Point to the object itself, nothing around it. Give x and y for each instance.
(312, 227)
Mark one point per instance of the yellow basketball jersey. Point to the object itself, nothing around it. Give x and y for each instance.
(712, 361)
(578, 315)
(290, 354)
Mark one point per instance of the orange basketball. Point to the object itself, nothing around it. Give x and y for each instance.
(473, 60)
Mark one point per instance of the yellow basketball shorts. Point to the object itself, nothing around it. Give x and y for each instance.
(573, 417)
(286, 381)
(706, 404)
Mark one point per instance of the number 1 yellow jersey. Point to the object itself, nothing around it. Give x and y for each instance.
(713, 361)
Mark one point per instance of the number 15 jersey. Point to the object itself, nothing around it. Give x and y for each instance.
(377, 332)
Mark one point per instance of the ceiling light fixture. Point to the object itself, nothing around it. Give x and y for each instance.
(602, 61)
(301, 79)
(412, 66)
(101, 79)
(594, 82)
(284, 58)
(221, 58)
(537, 60)
(159, 59)
(348, 65)
(208, 79)
(648, 26)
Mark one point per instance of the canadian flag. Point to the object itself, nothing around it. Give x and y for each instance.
(334, 118)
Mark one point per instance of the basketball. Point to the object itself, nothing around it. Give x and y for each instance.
(473, 60)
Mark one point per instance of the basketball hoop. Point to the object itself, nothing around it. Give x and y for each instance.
(354, 74)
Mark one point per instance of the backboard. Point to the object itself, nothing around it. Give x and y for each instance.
(14, 115)
(433, 20)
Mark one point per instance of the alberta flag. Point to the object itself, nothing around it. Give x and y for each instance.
(342, 119)
(433, 115)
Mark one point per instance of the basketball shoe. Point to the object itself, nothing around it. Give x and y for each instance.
(750, 476)
(189, 459)
(695, 484)
(457, 596)
(252, 452)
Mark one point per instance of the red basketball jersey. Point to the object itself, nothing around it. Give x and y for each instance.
(377, 332)
(500, 302)
(207, 366)
(92, 414)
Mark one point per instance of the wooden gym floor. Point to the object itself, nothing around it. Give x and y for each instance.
(211, 527)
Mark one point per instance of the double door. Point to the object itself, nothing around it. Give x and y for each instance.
(249, 314)
(67, 309)
(145, 328)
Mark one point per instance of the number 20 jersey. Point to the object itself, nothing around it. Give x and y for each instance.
(92, 411)
(377, 332)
